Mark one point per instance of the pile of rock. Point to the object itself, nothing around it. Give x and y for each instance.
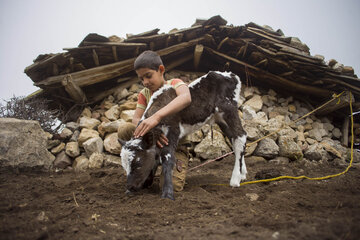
(92, 141)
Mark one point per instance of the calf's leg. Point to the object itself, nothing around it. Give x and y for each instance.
(168, 161)
(231, 126)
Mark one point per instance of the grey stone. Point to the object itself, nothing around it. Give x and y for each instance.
(267, 148)
(289, 148)
(96, 160)
(111, 143)
(72, 126)
(280, 160)
(255, 103)
(92, 145)
(81, 163)
(211, 148)
(72, 149)
(90, 123)
(23, 144)
(66, 133)
(248, 113)
(112, 161)
(336, 133)
(62, 161)
(58, 148)
(86, 134)
(313, 152)
(75, 136)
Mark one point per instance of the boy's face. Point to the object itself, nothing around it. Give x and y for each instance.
(150, 78)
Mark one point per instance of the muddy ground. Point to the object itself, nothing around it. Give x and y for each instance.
(93, 205)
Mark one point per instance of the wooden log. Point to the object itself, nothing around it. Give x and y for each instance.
(113, 48)
(336, 104)
(269, 33)
(279, 81)
(144, 34)
(147, 39)
(55, 69)
(109, 71)
(71, 64)
(199, 49)
(74, 91)
(179, 61)
(95, 57)
(263, 62)
(222, 43)
(91, 45)
(345, 132)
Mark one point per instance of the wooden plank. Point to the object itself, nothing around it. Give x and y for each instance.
(95, 57)
(271, 34)
(179, 61)
(222, 43)
(199, 49)
(114, 52)
(266, 36)
(275, 78)
(55, 69)
(75, 92)
(144, 34)
(91, 45)
(147, 39)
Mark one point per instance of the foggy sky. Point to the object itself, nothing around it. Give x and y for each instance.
(32, 27)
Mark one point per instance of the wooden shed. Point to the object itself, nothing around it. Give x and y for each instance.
(261, 56)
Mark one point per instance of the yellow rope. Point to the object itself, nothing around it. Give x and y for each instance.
(312, 178)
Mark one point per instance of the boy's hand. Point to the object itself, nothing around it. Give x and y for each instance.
(146, 126)
(162, 141)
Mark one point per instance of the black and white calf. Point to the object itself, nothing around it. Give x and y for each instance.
(214, 100)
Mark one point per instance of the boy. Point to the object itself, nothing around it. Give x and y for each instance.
(150, 70)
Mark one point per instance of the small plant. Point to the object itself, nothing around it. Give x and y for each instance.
(31, 109)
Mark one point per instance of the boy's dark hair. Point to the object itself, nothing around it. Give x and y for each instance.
(148, 59)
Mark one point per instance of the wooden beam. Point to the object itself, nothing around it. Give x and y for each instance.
(179, 61)
(279, 81)
(222, 43)
(199, 49)
(264, 61)
(337, 104)
(55, 69)
(75, 92)
(91, 45)
(345, 131)
(114, 52)
(95, 57)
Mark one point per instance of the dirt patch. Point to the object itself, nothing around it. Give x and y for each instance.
(93, 205)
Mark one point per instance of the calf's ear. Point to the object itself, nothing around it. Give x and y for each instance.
(148, 140)
(122, 142)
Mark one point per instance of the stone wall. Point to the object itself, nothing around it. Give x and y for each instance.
(91, 142)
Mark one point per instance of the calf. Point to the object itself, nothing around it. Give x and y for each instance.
(214, 100)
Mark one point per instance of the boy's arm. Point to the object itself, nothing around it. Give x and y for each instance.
(137, 115)
(182, 100)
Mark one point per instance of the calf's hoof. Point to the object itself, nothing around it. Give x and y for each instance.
(129, 193)
(169, 195)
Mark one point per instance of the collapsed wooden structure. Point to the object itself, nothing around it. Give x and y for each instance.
(261, 56)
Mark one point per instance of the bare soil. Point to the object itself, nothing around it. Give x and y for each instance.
(92, 205)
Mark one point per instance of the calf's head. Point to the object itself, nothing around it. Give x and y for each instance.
(138, 158)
